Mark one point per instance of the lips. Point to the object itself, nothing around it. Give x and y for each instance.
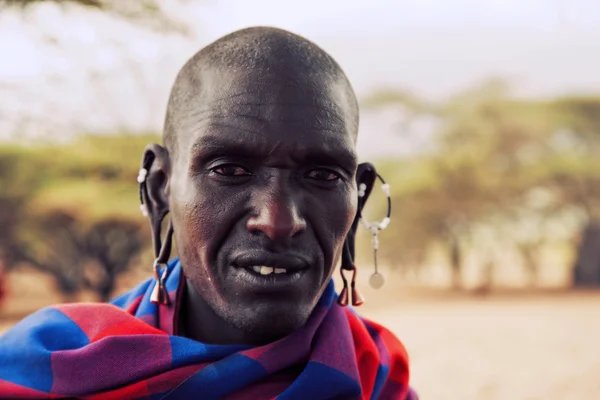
(264, 272)
(265, 263)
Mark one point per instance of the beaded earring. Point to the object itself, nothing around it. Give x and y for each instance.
(350, 292)
(376, 280)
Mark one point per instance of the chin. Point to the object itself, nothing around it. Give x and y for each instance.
(269, 323)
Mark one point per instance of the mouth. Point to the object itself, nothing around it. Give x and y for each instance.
(267, 271)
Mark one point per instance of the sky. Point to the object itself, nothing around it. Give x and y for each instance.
(438, 47)
(66, 69)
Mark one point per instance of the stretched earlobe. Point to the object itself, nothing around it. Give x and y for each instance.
(153, 181)
(365, 179)
(366, 174)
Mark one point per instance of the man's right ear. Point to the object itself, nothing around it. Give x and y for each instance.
(157, 164)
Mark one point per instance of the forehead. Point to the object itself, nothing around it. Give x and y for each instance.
(270, 114)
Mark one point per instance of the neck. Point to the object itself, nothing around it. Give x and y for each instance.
(199, 322)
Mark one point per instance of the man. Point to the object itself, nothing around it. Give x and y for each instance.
(259, 177)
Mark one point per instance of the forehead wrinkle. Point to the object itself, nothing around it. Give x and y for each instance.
(255, 90)
(268, 112)
(227, 142)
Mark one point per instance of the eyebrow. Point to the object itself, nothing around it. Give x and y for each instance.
(214, 146)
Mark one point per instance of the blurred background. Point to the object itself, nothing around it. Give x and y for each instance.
(484, 116)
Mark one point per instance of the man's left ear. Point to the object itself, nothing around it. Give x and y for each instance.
(154, 180)
(154, 186)
(365, 180)
(366, 175)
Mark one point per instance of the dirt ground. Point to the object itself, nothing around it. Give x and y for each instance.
(539, 347)
(518, 346)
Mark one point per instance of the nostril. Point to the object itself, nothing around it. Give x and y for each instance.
(277, 223)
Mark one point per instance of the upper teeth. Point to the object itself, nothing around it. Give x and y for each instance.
(263, 270)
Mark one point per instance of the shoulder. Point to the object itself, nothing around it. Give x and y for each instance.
(381, 356)
(365, 329)
(29, 349)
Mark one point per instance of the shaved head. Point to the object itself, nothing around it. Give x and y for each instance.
(262, 55)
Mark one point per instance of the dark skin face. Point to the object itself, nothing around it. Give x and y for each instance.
(263, 182)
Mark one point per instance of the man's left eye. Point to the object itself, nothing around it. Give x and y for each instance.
(323, 174)
(231, 170)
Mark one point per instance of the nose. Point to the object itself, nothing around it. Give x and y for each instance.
(277, 215)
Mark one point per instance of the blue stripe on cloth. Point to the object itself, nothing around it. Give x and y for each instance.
(172, 282)
(220, 378)
(380, 379)
(26, 349)
(319, 381)
(328, 296)
(185, 351)
(125, 300)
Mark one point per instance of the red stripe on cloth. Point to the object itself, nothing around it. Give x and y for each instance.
(399, 371)
(100, 320)
(11, 390)
(367, 356)
(132, 308)
(136, 390)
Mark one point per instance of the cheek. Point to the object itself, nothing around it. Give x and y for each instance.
(190, 224)
(335, 219)
(203, 217)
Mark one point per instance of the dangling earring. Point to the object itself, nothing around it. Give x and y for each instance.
(160, 294)
(162, 250)
(376, 280)
(356, 298)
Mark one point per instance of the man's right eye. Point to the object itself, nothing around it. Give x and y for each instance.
(231, 170)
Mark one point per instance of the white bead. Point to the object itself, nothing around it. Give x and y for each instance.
(386, 189)
(144, 210)
(142, 175)
(384, 224)
(361, 190)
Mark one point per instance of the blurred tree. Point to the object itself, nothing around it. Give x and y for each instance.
(498, 162)
(150, 13)
(113, 244)
(70, 211)
(574, 175)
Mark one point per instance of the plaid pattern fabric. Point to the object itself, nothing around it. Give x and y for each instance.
(127, 349)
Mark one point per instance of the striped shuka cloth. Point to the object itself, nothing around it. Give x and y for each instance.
(128, 350)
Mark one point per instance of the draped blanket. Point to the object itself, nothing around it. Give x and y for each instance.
(128, 349)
